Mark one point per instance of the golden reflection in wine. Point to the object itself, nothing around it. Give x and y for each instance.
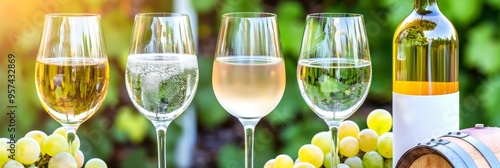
(71, 90)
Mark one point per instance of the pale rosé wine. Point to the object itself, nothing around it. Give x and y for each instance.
(249, 86)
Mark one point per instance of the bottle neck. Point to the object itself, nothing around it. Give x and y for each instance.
(426, 6)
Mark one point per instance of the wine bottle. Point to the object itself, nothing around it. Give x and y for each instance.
(425, 77)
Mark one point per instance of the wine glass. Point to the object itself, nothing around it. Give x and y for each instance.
(334, 68)
(71, 71)
(249, 72)
(162, 70)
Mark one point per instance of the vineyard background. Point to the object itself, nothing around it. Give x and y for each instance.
(206, 135)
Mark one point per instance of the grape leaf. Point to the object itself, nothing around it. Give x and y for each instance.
(134, 132)
(230, 155)
(479, 52)
(291, 24)
(328, 85)
(264, 145)
(203, 6)
(495, 3)
(300, 133)
(291, 102)
(228, 6)
(398, 10)
(210, 112)
(461, 13)
(136, 158)
(290, 10)
(490, 95)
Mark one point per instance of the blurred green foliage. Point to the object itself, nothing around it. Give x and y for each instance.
(122, 137)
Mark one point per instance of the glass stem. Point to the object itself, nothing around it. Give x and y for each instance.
(161, 134)
(71, 135)
(249, 126)
(334, 129)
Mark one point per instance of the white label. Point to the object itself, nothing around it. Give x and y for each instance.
(417, 119)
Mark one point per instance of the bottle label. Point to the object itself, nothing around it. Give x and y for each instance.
(417, 119)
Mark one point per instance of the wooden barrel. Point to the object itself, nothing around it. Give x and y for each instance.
(473, 147)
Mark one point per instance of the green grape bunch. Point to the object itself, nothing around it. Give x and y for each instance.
(371, 147)
(39, 150)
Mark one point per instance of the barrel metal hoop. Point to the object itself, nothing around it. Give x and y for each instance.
(483, 149)
(456, 134)
(448, 148)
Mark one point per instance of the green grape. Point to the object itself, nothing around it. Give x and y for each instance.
(79, 158)
(304, 165)
(13, 164)
(342, 166)
(283, 161)
(354, 162)
(380, 121)
(373, 159)
(39, 137)
(323, 140)
(55, 144)
(327, 163)
(270, 163)
(367, 139)
(388, 163)
(75, 146)
(312, 154)
(4, 153)
(349, 146)
(96, 163)
(63, 159)
(384, 145)
(61, 131)
(348, 128)
(27, 150)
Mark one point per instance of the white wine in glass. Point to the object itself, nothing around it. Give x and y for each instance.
(71, 71)
(162, 70)
(161, 85)
(71, 89)
(332, 87)
(334, 68)
(248, 75)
